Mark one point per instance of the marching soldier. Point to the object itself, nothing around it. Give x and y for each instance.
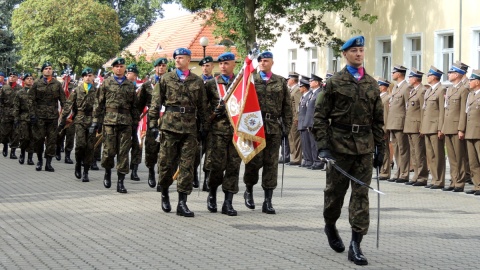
(432, 123)
(413, 120)
(315, 83)
(472, 132)
(8, 134)
(294, 135)
(81, 102)
(385, 170)
(66, 138)
(395, 124)
(223, 159)
(116, 105)
(304, 87)
(44, 96)
(348, 127)
(274, 100)
(183, 95)
(22, 120)
(454, 128)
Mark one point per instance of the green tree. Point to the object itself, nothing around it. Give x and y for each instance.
(247, 21)
(79, 33)
(8, 56)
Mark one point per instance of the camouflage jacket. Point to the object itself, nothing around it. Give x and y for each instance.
(20, 105)
(172, 93)
(81, 104)
(349, 102)
(7, 96)
(275, 102)
(44, 97)
(116, 103)
(218, 125)
(144, 95)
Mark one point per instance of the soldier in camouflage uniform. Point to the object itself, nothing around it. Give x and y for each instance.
(81, 102)
(116, 105)
(22, 120)
(275, 104)
(7, 128)
(183, 95)
(348, 126)
(44, 96)
(222, 159)
(66, 138)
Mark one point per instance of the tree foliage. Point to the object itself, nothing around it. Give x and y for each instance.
(75, 32)
(263, 21)
(8, 49)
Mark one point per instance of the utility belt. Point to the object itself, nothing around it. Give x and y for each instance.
(353, 128)
(180, 109)
(118, 110)
(270, 116)
(88, 113)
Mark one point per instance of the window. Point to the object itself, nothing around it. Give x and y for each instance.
(444, 50)
(475, 52)
(413, 47)
(383, 59)
(333, 63)
(292, 60)
(313, 60)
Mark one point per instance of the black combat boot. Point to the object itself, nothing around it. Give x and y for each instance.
(165, 200)
(355, 254)
(205, 182)
(21, 159)
(68, 160)
(85, 174)
(120, 187)
(182, 208)
(248, 196)
(94, 166)
(5, 150)
(134, 175)
(195, 179)
(107, 179)
(39, 163)
(58, 154)
(151, 178)
(30, 159)
(62, 149)
(78, 169)
(48, 165)
(334, 239)
(12, 153)
(267, 203)
(227, 207)
(212, 200)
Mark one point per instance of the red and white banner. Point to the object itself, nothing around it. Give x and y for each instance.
(245, 116)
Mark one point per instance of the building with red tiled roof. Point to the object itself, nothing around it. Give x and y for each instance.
(164, 36)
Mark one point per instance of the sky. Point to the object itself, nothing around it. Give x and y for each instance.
(173, 11)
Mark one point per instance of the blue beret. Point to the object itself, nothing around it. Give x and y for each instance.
(383, 82)
(205, 60)
(46, 64)
(415, 73)
(457, 68)
(2, 74)
(358, 41)
(475, 74)
(182, 51)
(266, 54)
(435, 72)
(26, 75)
(226, 56)
(87, 71)
(118, 61)
(132, 68)
(160, 61)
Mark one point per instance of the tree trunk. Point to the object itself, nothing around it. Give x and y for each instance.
(250, 24)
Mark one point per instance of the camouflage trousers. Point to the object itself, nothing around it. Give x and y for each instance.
(223, 162)
(360, 167)
(268, 159)
(67, 136)
(177, 151)
(151, 149)
(45, 132)
(24, 131)
(136, 153)
(98, 151)
(198, 155)
(8, 134)
(117, 141)
(85, 143)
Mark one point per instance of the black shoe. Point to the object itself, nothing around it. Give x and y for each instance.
(68, 160)
(448, 189)
(227, 207)
(78, 170)
(48, 165)
(470, 191)
(94, 166)
(39, 163)
(334, 239)
(400, 180)
(392, 179)
(5, 150)
(165, 200)
(477, 193)
(12, 153)
(316, 167)
(85, 175)
(382, 178)
(281, 160)
(30, 159)
(469, 181)
(21, 159)
(212, 200)
(410, 183)
(120, 187)
(428, 186)
(195, 179)
(134, 175)
(205, 182)
(267, 203)
(151, 178)
(436, 187)
(107, 179)
(248, 196)
(419, 184)
(182, 208)
(58, 154)
(458, 189)
(355, 254)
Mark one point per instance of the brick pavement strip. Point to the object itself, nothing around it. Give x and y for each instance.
(53, 221)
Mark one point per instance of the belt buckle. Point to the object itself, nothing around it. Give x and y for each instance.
(182, 109)
(268, 116)
(355, 128)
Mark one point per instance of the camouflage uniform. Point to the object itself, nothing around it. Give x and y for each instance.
(275, 104)
(43, 104)
(116, 105)
(183, 101)
(7, 130)
(151, 146)
(346, 102)
(144, 96)
(68, 134)
(21, 115)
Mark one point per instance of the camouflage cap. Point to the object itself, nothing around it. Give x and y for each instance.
(160, 61)
(87, 71)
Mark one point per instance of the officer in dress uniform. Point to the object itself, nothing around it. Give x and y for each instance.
(315, 88)
(385, 170)
(472, 132)
(8, 135)
(22, 120)
(432, 123)
(304, 87)
(292, 84)
(294, 141)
